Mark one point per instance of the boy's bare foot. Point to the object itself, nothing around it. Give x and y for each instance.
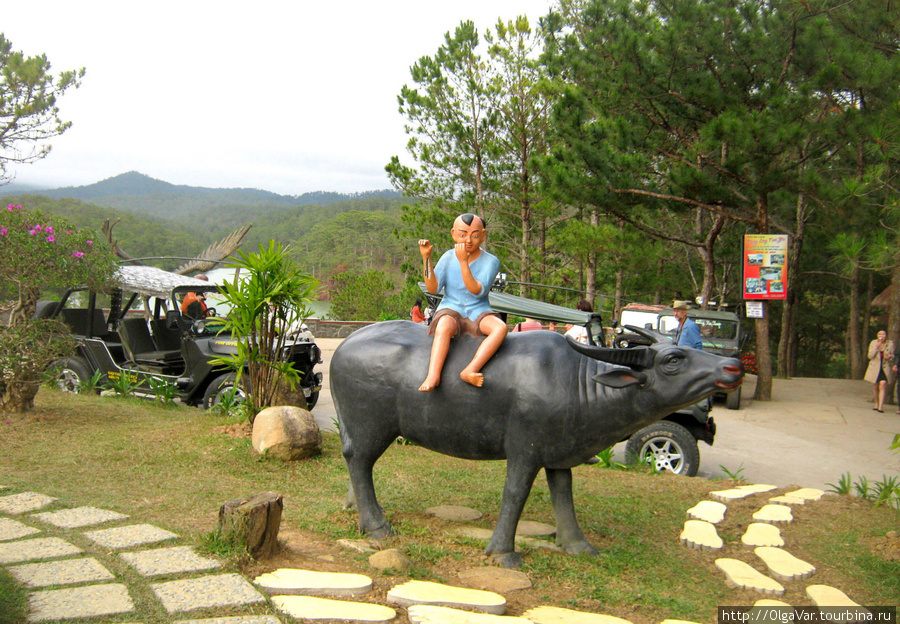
(428, 385)
(476, 379)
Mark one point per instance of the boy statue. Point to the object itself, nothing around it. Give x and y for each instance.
(465, 274)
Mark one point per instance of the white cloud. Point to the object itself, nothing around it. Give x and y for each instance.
(289, 96)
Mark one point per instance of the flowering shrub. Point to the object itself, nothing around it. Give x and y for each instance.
(38, 252)
(749, 362)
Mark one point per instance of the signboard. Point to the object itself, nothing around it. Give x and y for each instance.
(754, 309)
(765, 266)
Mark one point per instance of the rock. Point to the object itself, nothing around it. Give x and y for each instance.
(490, 578)
(359, 545)
(287, 433)
(454, 513)
(390, 559)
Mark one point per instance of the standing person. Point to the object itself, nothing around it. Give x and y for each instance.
(579, 333)
(687, 334)
(416, 313)
(879, 372)
(465, 274)
(528, 325)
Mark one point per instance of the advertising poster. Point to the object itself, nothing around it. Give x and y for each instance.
(765, 266)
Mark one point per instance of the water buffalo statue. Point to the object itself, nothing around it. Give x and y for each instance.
(546, 403)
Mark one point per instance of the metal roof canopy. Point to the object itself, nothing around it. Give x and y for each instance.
(152, 282)
(531, 308)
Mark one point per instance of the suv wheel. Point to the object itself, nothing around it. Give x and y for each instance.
(733, 399)
(71, 374)
(221, 387)
(671, 446)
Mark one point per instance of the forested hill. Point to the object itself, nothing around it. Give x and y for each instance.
(138, 193)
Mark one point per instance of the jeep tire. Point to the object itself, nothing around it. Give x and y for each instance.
(219, 387)
(673, 447)
(71, 374)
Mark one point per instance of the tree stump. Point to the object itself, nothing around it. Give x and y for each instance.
(253, 522)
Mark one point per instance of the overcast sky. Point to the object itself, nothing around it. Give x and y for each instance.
(286, 96)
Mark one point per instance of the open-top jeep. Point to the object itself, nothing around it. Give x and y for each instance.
(139, 331)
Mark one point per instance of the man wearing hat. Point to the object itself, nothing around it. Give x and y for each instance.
(687, 334)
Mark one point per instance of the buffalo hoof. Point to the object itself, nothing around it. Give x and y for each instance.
(580, 548)
(382, 532)
(507, 560)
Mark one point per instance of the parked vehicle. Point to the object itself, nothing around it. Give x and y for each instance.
(673, 441)
(139, 332)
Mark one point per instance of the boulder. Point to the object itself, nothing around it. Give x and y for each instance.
(287, 433)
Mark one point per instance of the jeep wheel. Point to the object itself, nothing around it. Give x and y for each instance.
(733, 399)
(221, 387)
(670, 445)
(71, 374)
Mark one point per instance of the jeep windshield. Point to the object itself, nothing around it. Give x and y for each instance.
(718, 330)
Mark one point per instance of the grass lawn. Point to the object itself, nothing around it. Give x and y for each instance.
(173, 467)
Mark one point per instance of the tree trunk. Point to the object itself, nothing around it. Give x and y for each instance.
(854, 348)
(763, 358)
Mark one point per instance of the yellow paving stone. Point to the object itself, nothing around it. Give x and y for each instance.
(700, 535)
(426, 592)
(787, 500)
(430, 614)
(783, 565)
(762, 534)
(807, 493)
(730, 495)
(757, 488)
(291, 581)
(312, 608)
(774, 514)
(826, 596)
(709, 511)
(741, 575)
(769, 602)
(558, 615)
(671, 621)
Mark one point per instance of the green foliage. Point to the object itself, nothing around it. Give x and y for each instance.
(28, 105)
(360, 296)
(122, 384)
(165, 391)
(264, 305)
(843, 486)
(606, 459)
(26, 350)
(13, 600)
(737, 475)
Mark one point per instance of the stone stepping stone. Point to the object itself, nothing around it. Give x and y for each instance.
(558, 615)
(238, 619)
(769, 602)
(224, 590)
(708, 511)
(312, 608)
(78, 517)
(454, 513)
(774, 514)
(787, 500)
(363, 546)
(390, 558)
(761, 534)
(79, 602)
(700, 535)
(430, 614)
(730, 495)
(65, 572)
(741, 575)
(757, 488)
(13, 529)
(426, 592)
(671, 621)
(483, 534)
(783, 565)
(534, 529)
(807, 493)
(22, 503)
(492, 578)
(294, 582)
(175, 560)
(36, 548)
(825, 596)
(129, 536)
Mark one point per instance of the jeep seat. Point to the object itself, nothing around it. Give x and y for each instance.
(139, 345)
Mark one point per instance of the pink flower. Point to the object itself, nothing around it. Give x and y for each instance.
(51, 238)
(77, 254)
(3, 231)
(90, 242)
(38, 228)
(32, 232)
(49, 229)
(69, 232)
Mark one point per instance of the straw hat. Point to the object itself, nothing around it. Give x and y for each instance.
(678, 304)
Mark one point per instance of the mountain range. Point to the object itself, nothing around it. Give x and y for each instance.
(139, 193)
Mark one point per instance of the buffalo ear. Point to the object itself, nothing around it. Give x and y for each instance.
(620, 378)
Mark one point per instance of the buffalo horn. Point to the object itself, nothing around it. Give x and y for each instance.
(638, 357)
